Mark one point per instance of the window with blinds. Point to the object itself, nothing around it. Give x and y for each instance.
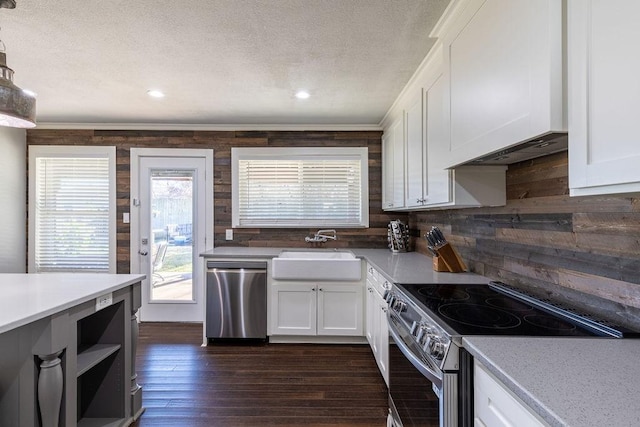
(300, 187)
(72, 209)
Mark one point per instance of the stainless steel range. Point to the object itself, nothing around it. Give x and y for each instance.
(430, 373)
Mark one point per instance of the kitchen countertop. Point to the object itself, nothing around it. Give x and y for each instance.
(404, 267)
(30, 297)
(577, 382)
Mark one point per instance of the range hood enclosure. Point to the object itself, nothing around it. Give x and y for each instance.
(543, 145)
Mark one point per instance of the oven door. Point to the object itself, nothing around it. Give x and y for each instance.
(420, 395)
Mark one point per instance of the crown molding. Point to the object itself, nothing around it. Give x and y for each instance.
(208, 127)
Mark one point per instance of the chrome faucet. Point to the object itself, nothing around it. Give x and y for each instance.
(322, 236)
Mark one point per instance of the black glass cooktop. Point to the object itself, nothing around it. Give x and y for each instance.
(484, 310)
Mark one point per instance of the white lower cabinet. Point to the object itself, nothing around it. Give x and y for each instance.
(377, 329)
(495, 406)
(314, 308)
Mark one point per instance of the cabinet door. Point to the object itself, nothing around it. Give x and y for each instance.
(393, 166)
(415, 154)
(370, 323)
(293, 309)
(495, 406)
(382, 339)
(604, 96)
(340, 310)
(387, 169)
(503, 60)
(438, 180)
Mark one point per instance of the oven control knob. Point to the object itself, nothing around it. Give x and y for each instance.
(400, 306)
(414, 328)
(423, 333)
(391, 299)
(437, 348)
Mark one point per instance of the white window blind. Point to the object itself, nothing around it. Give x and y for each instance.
(72, 206)
(300, 188)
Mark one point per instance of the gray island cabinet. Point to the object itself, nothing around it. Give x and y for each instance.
(67, 349)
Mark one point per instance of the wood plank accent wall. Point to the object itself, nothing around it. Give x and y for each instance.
(582, 250)
(221, 143)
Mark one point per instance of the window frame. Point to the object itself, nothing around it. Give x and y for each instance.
(71, 151)
(296, 153)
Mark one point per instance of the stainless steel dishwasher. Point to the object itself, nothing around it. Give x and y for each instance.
(236, 299)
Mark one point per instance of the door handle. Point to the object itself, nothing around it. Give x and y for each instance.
(143, 253)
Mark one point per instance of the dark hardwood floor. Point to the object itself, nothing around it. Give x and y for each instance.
(257, 384)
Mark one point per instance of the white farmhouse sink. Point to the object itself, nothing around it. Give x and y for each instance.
(318, 266)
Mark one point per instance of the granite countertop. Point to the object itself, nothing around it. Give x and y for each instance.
(30, 297)
(406, 268)
(577, 382)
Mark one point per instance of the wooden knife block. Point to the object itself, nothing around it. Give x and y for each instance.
(448, 260)
(438, 264)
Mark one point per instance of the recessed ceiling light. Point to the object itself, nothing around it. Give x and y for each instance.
(302, 94)
(29, 92)
(155, 93)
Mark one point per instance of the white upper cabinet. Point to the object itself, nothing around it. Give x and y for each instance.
(393, 166)
(417, 134)
(604, 96)
(504, 74)
(438, 180)
(415, 153)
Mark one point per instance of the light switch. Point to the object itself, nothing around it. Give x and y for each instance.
(229, 234)
(125, 217)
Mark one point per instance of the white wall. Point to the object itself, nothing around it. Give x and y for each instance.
(13, 200)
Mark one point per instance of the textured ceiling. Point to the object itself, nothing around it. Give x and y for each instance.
(218, 61)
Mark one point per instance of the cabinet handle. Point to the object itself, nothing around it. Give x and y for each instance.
(313, 289)
(320, 289)
(384, 309)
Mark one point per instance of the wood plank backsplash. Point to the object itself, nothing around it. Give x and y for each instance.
(221, 143)
(583, 250)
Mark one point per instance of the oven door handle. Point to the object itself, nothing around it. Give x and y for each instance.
(433, 376)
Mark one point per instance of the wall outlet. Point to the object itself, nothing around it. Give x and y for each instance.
(104, 301)
(229, 234)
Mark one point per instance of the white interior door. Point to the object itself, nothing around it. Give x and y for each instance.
(172, 222)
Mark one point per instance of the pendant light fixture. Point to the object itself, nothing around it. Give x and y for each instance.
(17, 108)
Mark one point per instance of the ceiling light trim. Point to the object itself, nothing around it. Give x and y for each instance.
(156, 93)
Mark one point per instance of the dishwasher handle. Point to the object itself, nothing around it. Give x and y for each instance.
(237, 265)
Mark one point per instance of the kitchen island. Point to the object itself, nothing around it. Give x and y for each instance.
(68, 345)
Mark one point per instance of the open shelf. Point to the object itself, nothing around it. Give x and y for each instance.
(100, 369)
(90, 356)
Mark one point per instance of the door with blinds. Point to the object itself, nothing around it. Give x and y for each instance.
(171, 224)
